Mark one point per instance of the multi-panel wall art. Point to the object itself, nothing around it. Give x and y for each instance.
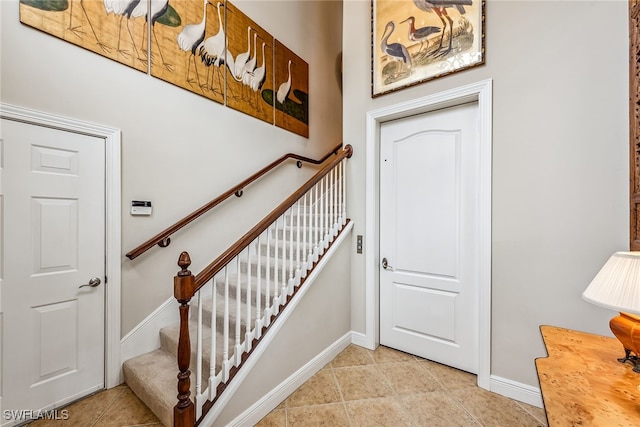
(209, 47)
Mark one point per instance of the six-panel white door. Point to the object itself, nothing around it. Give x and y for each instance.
(53, 241)
(429, 166)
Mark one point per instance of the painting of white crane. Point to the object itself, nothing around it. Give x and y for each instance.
(251, 76)
(415, 41)
(196, 48)
(291, 91)
(116, 29)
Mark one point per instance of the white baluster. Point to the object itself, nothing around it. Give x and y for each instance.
(213, 383)
(305, 227)
(275, 305)
(238, 348)
(337, 197)
(334, 208)
(298, 236)
(321, 228)
(331, 202)
(267, 298)
(310, 230)
(259, 321)
(285, 257)
(225, 328)
(247, 331)
(199, 347)
(344, 191)
(316, 220)
(292, 253)
(327, 214)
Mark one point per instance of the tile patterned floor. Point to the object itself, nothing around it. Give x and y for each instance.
(359, 387)
(386, 387)
(116, 407)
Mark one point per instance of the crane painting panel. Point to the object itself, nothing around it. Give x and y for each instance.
(415, 41)
(116, 29)
(291, 91)
(250, 79)
(196, 49)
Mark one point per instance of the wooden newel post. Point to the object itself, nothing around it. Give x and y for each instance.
(184, 414)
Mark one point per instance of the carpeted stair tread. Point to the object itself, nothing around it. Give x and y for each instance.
(152, 377)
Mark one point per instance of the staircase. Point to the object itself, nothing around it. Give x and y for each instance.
(235, 300)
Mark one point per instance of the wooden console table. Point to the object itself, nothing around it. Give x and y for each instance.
(582, 382)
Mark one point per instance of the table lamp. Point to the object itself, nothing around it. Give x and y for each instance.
(617, 287)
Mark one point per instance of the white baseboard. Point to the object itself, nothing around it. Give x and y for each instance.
(145, 337)
(269, 402)
(517, 391)
(361, 340)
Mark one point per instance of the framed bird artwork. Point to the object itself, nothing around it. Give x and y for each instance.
(415, 41)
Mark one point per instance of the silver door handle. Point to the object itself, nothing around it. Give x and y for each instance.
(385, 264)
(92, 283)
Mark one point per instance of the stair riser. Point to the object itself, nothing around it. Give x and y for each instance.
(271, 271)
(169, 342)
(303, 229)
(206, 314)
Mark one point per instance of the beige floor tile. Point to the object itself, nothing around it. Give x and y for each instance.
(383, 412)
(538, 413)
(276, 418)
(409, 377)
(147, 425)
(84, 412)
(353, 356)
(438, 409)
(332, 415)
(362, 382)
(319, 389)
(384, 354)
(492, 409)
(127, 410)
(450, 378)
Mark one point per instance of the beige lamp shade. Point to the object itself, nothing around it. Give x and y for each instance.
(617, 284)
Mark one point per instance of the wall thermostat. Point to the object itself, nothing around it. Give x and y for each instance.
(140, 207)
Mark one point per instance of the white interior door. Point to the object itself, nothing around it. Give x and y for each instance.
(53, 241)
(429, 167)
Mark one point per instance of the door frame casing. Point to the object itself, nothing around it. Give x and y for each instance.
(480, 92)
(113, 250)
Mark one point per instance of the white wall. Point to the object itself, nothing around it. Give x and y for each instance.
(179, 150)
(560, 161)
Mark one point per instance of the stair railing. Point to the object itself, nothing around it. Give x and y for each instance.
(163, 239)
(262, 271)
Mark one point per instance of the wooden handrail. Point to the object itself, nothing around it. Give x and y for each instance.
(163, 238)
(218, 264)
